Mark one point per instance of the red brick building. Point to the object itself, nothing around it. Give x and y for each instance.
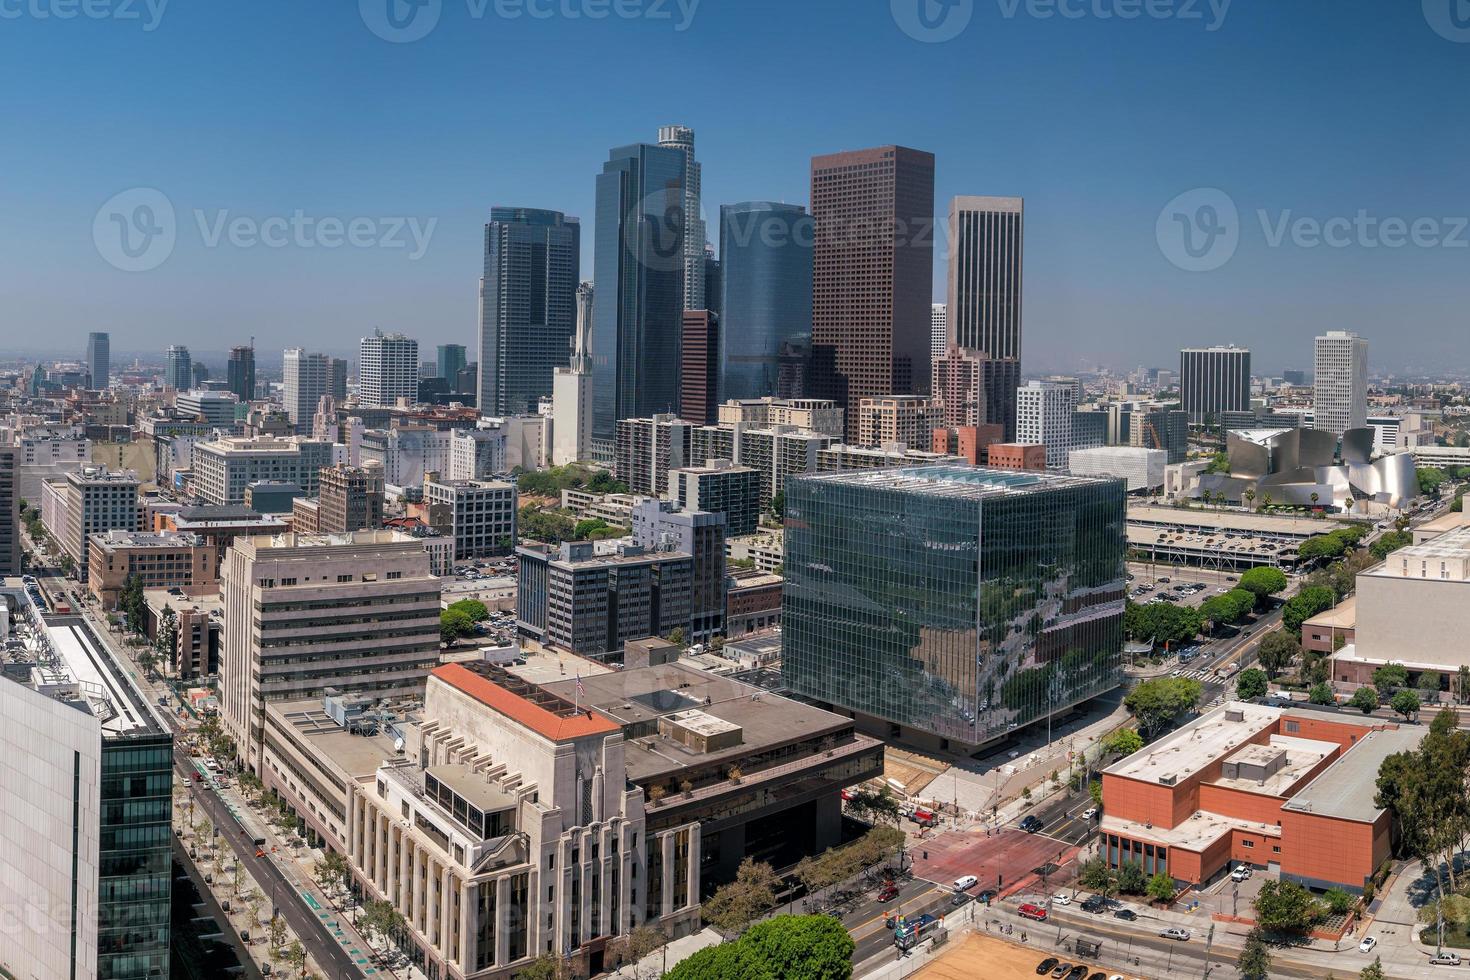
(972, 442)
(1288, 791)
(1017, 456)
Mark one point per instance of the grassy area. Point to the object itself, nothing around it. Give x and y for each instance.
(1455, 936)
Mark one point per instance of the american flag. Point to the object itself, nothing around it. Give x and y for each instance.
(581, 691)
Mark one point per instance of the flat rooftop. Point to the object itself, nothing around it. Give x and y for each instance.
(147, 539)
(966, 482)
(1186, 751)
(1346, 788)
(1301, 756)
(1263, 525)
(1451, 544)
(1343, 616)
(109, 692)
(356, 756)
(1212, 543)
(1196, 834)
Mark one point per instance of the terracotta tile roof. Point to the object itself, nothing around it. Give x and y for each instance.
(545, 723)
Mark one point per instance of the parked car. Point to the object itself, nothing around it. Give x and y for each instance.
(1241, 872)
(1174, 932)
(1046, 966)
(1127, 915)
(1061, 970)
(1366, 946)
(1061, 898)
(1099, 975)
(1095, 904)
(1445, 958)
(1077, 972)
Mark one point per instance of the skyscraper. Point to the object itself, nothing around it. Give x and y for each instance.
(305, 379)
(1340, 390)
(938, 329)
(449, 361)
(696, 273)
(99, 359)
(639, 264)
(527, 306)
(873, 270)
(984, 288)
(337, 378)
(387, 370)
(766, 285)
(1214, 380)
(1044, 417)
(178, 371)
(571, 392)
(240, 372)
(699, 366)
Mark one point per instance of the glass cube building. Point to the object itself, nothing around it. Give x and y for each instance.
(954, 601)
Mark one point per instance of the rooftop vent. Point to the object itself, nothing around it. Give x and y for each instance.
(1235, 714)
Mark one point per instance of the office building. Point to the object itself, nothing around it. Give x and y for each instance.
(1016, 456)
(661, 526)
(843, 457)
(1141, 470)
(273, 496)
(699, 374)
(528, 306)
(1212, 381)
(88, 502)
(639, 267)
(975, 389)
(337, 379)
(86, 773)
(374, 623)
(873, 271)
(969, 442)
(219, 525)
(720, 487)
(647, 449)
(44, 452)
(905, 419)
(477, 454)
(178, 370)
(951, 605)
(591, 598)
(775, 452)
(938, 329)
(223, 468)
(214, 407)
(809, 414)
(478, 515)
(766, 303)
(387, 370)
(571, 391)
(449, 360)
(1340, 386)
(984, 290)
(690, 217)
(1261, 786)
(166, 560)
(1089, 429)
(1044, 416)
(240, 372)
(1160, 428)
(99, 360)
(306, 378)
(350, 498)
(9, 512)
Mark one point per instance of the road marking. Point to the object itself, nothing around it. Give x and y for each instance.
(878, 920)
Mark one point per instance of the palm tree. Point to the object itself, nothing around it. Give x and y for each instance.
(1266, 501)
(1315, 497)
(1250, 497)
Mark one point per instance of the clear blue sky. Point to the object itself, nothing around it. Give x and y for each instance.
(266, 107)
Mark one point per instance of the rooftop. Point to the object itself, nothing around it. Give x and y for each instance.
(146, 539)
(1237, 521)
(1452, 544)
(356, 756)
(970, 482)
(1188, 750)
(537, 708)
(1345, 788)
(1196, 834)
(1343, 616)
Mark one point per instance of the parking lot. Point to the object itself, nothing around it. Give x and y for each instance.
(1158, 582)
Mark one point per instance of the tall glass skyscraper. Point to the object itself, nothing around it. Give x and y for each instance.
(240, 372)
(766, 276)
(99, 359)
(449, 361)
(178, 368)
(639, 271)
(528, 306)
(681, 138)
(953, 602)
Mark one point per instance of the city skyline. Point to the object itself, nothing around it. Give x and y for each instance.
(1096, 170)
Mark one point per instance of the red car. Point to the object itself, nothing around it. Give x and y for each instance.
(1029, 911)
(888, 893)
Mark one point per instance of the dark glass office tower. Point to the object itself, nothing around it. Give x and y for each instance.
(135, 873)
(950, 603)
(766, 274)
(99, 359)
(639, 271)
(528, 306)
(240, 372)
(449, 361)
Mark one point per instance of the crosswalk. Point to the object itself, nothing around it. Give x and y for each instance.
(1196, 675)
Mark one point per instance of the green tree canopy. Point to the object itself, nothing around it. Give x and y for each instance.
(1430, 480)
(1263, 581)
(1251, 684)
(1389, 678)
(1306, 604)
(1255, 957)
(1286, 907)
(736, 905)
(1156, 703)
(1405, 703)
(787, 947)
(455, 624)
(1161, 887)
(1161, 623)
(1124, 742)
(473, 608)
(1232, 607)
(1322, 694)
(1389, 543)
(1365, 699)
(1277, 651)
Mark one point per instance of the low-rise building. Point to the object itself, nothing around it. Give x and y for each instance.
(764, 550)
(843, 457)
(167, 560)
(350, 498)
(1017, 456)
(199, 622)
(1141, 469)
(753, 602)
(1332, 630)
(219, 525)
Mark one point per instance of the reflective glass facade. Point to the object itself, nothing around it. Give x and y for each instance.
(766, 268)
(134, 858)
(956, 601)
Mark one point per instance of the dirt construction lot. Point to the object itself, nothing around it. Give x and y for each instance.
(980, 955)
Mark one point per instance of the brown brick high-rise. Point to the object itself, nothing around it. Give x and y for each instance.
(700, 375)
(873, 271)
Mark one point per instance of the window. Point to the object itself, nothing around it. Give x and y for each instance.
(344, 578)
(1247, 843)
(1275, 849)
(1292, 727)
(395, 575)
(288, 581)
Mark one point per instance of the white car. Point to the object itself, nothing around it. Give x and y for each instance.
(1241, 873)
(1175, 932)
(1061, 898)
(965, 883)
(1366, 946)
(1089, 813)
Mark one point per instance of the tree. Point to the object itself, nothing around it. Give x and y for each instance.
(1251, 684)
(1255, 957)
(454, 625)
(1286, 907)
(1322, 546)
(1405, 703)
(1123, 742)
(676, 636)
(1306, 604)
(148, 661)
(874, 807)
(1389, 678)
(1161, 623)
(544, 967)
(1131, 879)
(1429, 684)
(1322, 694)
(1365, 699)
(276, 933)
(1095, 791)
(1389, 543)
(1156, 703)
(330, 872)
(1232, 607)
(1277, 651)
(787, 947)
(473, 608)
(1095, 876)
(752, 894)
(381, 919)
(1161, 887)
(638, 944)
(1431, 479)
(296, 956)
(1263, 582)
(1338, 901)
(167, 642)
(1373, 971)
(1462, 686)
(778, 505)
